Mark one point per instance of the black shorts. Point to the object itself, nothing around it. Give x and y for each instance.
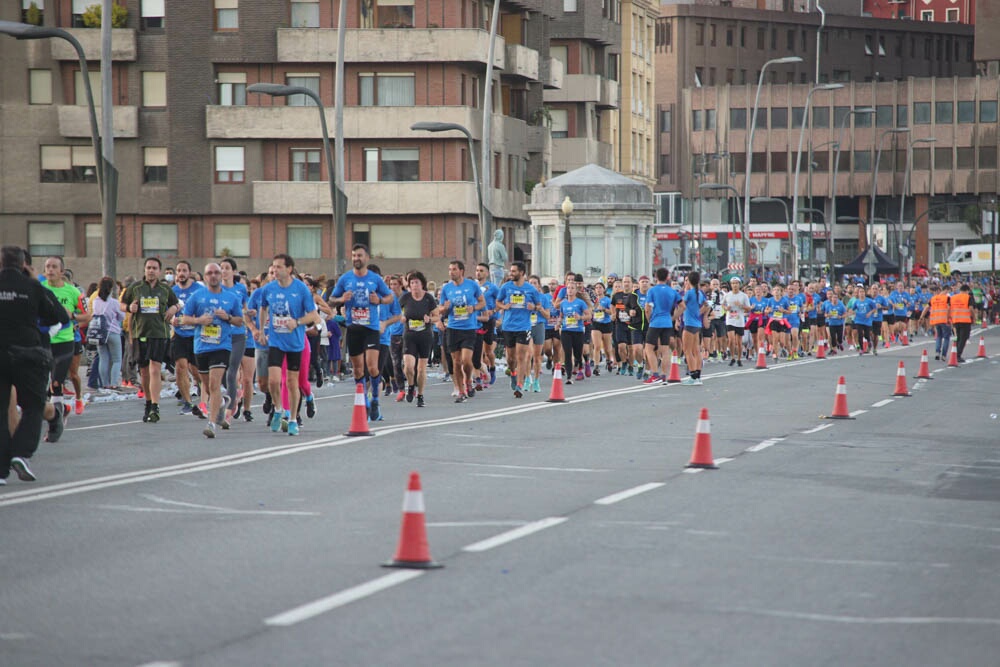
(551, 334)
(151, 350)
(657, 336)
(293, 359)
(250, 352)
(735, 329)
(460, 339)
(182, 347)
(512, 338)
(603, 327)
(753, 326)
(214, 359)
(777, 327)
(360, 339)
(810, 322)
(418, 343)
(637, 336)
(863, 330)
(915, 315)
(719, 327)
(77, 348)
(820, 320)
(489, 331)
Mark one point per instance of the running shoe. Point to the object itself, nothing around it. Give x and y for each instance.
(141, 394)
(513, 382)
(536, 385)
(622, 370)
(154, 414)
(493, 375)
(197, 412)
(732, 362)
(293, 428)
(319, 380)
(739, 362)
(388, 389)
(209, 431)
(247, 416)
(298, 420)
(631, 369)
(689, 381)
(420, 400)
(186, 409)
(479, 387)
(276, 423)
(597, 370)
(20, 466)
(459, 399)
(376, 414)
(653, 379)
(267, 403)
(79, 407)
(548, 364)
(225, 424)
(569, 379)
(517, 392)
(3, 481)
(310, 407)
(587, 369)
(204, 410)
(579, 375)
(411, 391)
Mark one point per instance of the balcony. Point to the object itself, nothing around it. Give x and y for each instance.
(585, 88)
(74, 121)
(539, 140)
(402, 198)
(284, 122)
(522, 61)
(312, 45)
(552, 73)
(123, 45)
(569, 154)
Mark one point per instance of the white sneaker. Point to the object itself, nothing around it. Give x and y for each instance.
(690, 381)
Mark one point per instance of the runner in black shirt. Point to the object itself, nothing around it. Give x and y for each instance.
(418, 335)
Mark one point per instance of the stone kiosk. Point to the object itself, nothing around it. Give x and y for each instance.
(610, 227)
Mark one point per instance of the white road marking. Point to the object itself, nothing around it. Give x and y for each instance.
(344, 597)
(882, 403)
(719, 462)
(161, 664)
(511, 535)
(816, 429)
(167, 510)
(858, 412)
(853, 562)
(627, 493)
(515, 467)
(948, 524)
(90, 428)
(868, 620)
(761, 446)
(500, 475)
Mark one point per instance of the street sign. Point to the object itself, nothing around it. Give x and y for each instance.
(871, 263)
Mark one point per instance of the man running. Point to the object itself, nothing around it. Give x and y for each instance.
(517, 300)
(625, 306)
(461, 299)
(660, 304)
(489, 324)
(182, 343)
(214, 312)
(737, 305)
(62, 343)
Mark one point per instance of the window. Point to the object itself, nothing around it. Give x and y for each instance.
(711, 34)
(822, 160)
(988, 111)
(80, 88)
(46, 239)
(160, 239)
(310, 81)
(840, 116)
(305, 241)
(68, 164)
(396, 241)
(229, 165)
(560, 53)
(39, 86)
(93, 239)
(965, 157)
(26, 6)
(902, 116)
(967, 112)
(821, 117)
(921, 113)
(883, 115)
(232, 240)
(395, 13)
(942, 158)
(386, 90)
(926, 14)
(154, 89)
(305, 14)
(232, 88)
(921, 159)
(664, 120)
(737, 119)
(392, 164)
(729, 36)
(862, 160)
(696, 124)
(987, 157)
(951, 15)
(779, 118)
(779, 161)
(154, 164)
(790, 40)
(798, 114)
(863, 119)
(79, 7)
(227, 15)
(943, 113)
(709, 119)
(560, 123)
(152, 14)
(699, 34)
(306, 165)
(569, 6)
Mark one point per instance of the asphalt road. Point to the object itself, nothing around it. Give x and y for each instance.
(571, 534)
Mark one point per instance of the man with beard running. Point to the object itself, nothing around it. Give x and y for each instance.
(182, 343)
(63, 343)
(461, 300)
(517, 300)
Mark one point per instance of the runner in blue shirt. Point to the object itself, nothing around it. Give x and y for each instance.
(863, 309)
(834, 311)
(880, 327)
(796, 307)
(574, 312)
(900, 302)
(694, 307)
(360, 291)
(461, 299)
(182, 342)
(600, 330)
(777, 309)
(517, 300)
(661, 300)
(231, 281)
(487, 318)
(287, 308)
(214, 312)
(539, 319)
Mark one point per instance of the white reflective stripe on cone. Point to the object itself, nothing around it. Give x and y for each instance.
(704, 426)
(413, 502)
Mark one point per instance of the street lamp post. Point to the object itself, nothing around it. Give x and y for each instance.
(567, 211)
(878, 158)
(432, 126)
(903, 251)
(836, 166)
(107, 174)
(749, 154)
(743, 226)
(337, 196)
(812, 240)
(788, 220)
(798, 169)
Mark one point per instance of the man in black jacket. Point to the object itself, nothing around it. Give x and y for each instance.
(24, 361)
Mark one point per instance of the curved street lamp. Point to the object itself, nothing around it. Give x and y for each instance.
(788, 220)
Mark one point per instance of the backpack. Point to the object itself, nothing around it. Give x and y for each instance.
(98, 330)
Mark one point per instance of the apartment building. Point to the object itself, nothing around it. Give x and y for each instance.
(987, 46)
(636, 151)
(207, 168)
(946, 11)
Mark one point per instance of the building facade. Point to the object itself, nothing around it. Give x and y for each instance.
(636, 151)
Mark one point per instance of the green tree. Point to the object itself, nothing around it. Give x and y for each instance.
(33, 15)
(92, 16)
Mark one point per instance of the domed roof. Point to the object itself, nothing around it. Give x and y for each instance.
(592, 186)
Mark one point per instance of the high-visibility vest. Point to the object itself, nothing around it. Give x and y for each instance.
(960, 312)
(939, 309)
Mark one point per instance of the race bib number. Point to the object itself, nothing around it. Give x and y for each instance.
(571, 321)
(533, 319)
(211, 334)
(417, 325)
(793, 308)
(718, 311)
(517, 301)
(461, 312)
(361, 316)
(777, 314)
(598, 315)
(281, 324)
(624, 316)
(149, 305)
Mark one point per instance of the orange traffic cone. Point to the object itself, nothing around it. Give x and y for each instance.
(761, 358)
(953, 355)
(901, 389)
(557, 395)
(701, 455)
(925, 371)
(906, 338)
(840, 402)
(359, 419)
(821, 350)
(982, 349)
(413, 550)
(675, 370)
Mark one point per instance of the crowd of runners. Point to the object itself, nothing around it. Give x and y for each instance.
(224, 337)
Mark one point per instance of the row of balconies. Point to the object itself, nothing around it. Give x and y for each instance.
(585, 88)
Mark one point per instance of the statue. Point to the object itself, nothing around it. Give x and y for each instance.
(497, 254)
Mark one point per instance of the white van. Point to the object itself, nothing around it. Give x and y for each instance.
(966, 259)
